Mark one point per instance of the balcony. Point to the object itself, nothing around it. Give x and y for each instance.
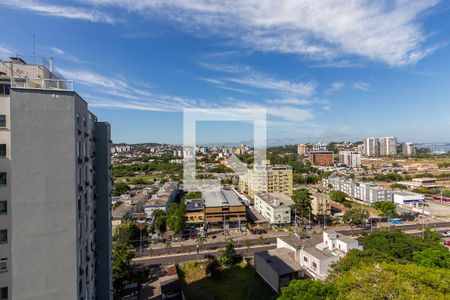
(39, 83)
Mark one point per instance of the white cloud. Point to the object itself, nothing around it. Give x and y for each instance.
(6, 51)
(335, 86)
(64, 11)
(386, 31)
(363, 86)
(57, 50)
(90, 78)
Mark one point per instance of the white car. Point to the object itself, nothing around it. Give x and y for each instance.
(446, 234)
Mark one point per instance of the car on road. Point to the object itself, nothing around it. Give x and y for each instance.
(258, 231)
(447, 243)
(446, 234)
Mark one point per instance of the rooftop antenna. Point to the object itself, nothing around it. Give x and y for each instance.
(34, 49)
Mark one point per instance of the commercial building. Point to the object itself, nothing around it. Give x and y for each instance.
(409, 149)
(321, 158)
(351, 159)
(367, 192)
(301, 149)
(223, 207)
(372, 146)
(55, 189)
(404, 198)
(388, 146)
(195, 213)
(275, 207)
(297, 258)
(264, 178)
(424, 182)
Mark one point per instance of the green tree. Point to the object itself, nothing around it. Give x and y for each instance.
(229, 256)
(120, 189)
(338, 196)
(127, 232)
(121, 258)
(387, 208)
(356, 216)
(302, 202)
(308, 290)
(433, 257)
(176, 217)
(159, 221)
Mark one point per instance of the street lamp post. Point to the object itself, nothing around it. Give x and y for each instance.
(141, 224)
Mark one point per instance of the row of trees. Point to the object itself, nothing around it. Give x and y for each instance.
(392, 265)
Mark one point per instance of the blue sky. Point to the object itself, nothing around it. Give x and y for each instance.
(324, 70)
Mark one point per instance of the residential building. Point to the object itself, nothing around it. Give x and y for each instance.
(372, 146)
(298, 258)
(166, 195)
(223, 207)
(301, 149)
(351, 159)
(319, 147)
(321, 206)
(367, 192)
(264, 178)
(409, 149)
(321, 158)
(388, 146)
(275, 207)
(55, 181)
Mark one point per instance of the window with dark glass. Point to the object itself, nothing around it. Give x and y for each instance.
(2, 178)
(4, 292)
(2, 120)
(3, 207)
(2, 150)
(3, 236)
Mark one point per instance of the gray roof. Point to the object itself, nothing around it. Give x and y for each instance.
(297, 243)
(276, 200)
(220, 198)
(280, 260)
(319, 254)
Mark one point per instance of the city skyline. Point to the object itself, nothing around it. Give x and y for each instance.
(139, 67)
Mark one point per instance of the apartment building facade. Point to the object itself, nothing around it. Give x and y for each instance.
(372, 146)
(409, 149)
(301, 149)
(351, 159)
(264, 178)
(388, 146)
(367, 192)
(321, 158)
(274, 207)
(55, 189)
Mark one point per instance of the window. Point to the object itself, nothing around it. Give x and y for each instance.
(4, 292)
(2, 178)
(3, 121)
(3, 236)
(4, 90)
(305, 258)
(3, 264)
(2, 150)
(3, 208)
(314, 265)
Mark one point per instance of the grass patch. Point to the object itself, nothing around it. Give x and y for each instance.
(239, 282)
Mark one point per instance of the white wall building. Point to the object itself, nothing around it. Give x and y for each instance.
(367, 192)
(404, 198)
(351, 159)
(372, 146)
(275, 207)
(409, 149)
(388, 146)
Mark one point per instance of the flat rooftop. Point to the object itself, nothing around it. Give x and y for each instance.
(276, 200)
(281, 260)
(297, 243)
(220, 198)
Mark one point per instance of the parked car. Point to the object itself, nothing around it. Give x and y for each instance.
(446, 234)
(447, 243)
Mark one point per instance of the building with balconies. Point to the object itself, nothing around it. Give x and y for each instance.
(55, 188)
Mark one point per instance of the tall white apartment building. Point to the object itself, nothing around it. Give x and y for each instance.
(275, 207)
(409, 149)
(351, 159)
(55, 189)
(372, 146)
(388, 146)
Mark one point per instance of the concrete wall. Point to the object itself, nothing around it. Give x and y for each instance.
(266, 273)
(102, 219)
(43, 189)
